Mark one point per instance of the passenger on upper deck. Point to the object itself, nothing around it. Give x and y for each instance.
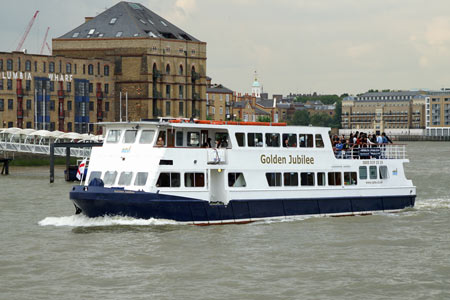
(160, 142)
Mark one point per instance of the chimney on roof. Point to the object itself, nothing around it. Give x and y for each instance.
(87, 19)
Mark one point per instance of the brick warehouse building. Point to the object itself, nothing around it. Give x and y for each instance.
(160, 67)
(55, 93)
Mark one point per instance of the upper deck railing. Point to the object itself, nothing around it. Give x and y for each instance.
(383, 151)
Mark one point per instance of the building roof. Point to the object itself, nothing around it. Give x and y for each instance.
(218, 88)
(241, 104)
(265, 103)
(259, 112)
(125, 20)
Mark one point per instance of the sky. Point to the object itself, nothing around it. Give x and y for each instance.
(295, 46)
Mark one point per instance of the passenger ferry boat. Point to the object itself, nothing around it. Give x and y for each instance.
(206, 172)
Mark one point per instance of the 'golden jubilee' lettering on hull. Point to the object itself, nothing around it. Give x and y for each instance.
(291, 159)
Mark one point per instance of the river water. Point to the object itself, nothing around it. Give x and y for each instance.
(47, 252)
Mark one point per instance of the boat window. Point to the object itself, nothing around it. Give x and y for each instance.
(291, 179)
(373, 172)
(272, 139)
(240, 138)
(363, 172)
(168, 180)
(161, 139)
(334, 178)
(222, 137)
(321, 178)
(147, 136)
(110, 177)
(319, 141)
(129, 137)
(289, 140)
(141, 178)
(305, 140)
(273, 179)
(194, 179)
(95, 174)
(307, 178)
(236, 180)
(350, 178)
(113, 136)
(125, 178)
(166, 162)
(383, 172)
(179, 138)
(255, 139)
(193, 139)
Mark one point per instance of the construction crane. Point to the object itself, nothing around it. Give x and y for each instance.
(48, 47)
(45, 41)
(27, 30)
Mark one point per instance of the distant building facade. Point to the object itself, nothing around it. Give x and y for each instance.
(438, 113)
(219, 101)
(55, 93)
(161, 68)
(395, 112)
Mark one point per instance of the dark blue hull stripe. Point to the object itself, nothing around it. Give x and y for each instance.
(99, 201)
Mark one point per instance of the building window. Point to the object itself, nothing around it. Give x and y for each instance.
(180, 70)
(98, 68)
(52, 86)
(9, 84)
(28, 65)
(180, 108)
(167, 91)
(113, 21)
(91, 87)
(69, 126)
(44, 66)
(84, 69)
(28, 124)
(168, 69)
(69, 105)
(52, 105)
(106, 106)
(28, 85)
(106, 70)
(1, 84)
(221, 110)
(91, 106)
(9, 65)
(1, 64)
(119, 34)
(18, 64)
(91, 69)
(10, 124)
(167, 108)
(106, 88)
(28, 104)
(68, 68)
(181, 91)
(69, 87)
(2, 105)
(10, 104)
(35, 66)
(51, 67)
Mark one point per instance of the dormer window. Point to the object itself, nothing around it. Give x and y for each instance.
(152, 34)
(76, 34)
(119, 34)
(100, 35)
(162, 22)
(151, 22)
(142, 21)
(91, 32)
(113, 21)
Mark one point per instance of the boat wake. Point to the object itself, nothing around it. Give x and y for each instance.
(431, 204)
(83, 221)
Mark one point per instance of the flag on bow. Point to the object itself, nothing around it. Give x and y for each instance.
(81, 167)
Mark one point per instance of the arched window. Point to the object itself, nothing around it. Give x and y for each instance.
(68, 68)
(180, 70)
(28, 65)
(91, 69)
(168, 69)
(9, 65)
(106, 70)
(51, 67)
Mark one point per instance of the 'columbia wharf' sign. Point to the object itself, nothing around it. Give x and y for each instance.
(28, 76)
(291, 159)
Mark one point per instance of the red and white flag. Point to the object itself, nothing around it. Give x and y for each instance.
(81, 167)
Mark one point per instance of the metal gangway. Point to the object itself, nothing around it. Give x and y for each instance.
(40, 141)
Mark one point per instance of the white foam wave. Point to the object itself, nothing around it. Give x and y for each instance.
(432, 203)
(83, 221)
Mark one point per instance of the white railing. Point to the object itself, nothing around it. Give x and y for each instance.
(43, 149)
(378, 152)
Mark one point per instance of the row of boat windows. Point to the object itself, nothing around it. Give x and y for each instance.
(125, 178)
(256, 139)
(321, 178)
(173, 179)
(129, 137)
